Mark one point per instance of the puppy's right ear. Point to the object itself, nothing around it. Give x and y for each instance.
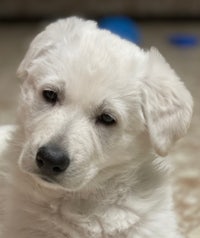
(37, 48)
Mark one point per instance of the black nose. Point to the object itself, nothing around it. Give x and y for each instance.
(52, 160)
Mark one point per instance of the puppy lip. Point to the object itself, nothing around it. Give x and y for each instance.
(48, 179)
(45, 178)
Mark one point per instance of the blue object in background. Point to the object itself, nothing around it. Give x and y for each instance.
(123, 26)
(184, 40)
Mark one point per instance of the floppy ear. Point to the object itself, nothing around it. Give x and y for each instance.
(167, 104)
(38, 47)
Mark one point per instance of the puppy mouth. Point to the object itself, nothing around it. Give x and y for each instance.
(46, 179)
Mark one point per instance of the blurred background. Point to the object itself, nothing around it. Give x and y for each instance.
(172, 26)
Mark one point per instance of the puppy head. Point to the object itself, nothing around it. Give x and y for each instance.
(93, 103)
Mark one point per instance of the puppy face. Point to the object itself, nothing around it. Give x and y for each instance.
(94, 105)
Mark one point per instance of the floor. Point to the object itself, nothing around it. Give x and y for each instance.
(14, 40)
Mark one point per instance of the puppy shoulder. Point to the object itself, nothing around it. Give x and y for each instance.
(5, 135)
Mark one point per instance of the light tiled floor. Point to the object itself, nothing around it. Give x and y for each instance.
(14, 39)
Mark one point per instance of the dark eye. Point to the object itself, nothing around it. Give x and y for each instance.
(50, 96)
(106, 119)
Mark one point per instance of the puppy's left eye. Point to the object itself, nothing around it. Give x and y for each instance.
(50, 96)
(106, 119)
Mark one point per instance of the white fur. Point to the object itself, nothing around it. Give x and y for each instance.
(116, 185)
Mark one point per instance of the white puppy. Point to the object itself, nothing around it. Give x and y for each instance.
(97, 116)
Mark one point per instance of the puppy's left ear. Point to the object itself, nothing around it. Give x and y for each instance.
(167, 104)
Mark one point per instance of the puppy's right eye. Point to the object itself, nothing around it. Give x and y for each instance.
(50, 96)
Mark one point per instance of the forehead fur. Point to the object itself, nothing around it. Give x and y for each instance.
(84, 56)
